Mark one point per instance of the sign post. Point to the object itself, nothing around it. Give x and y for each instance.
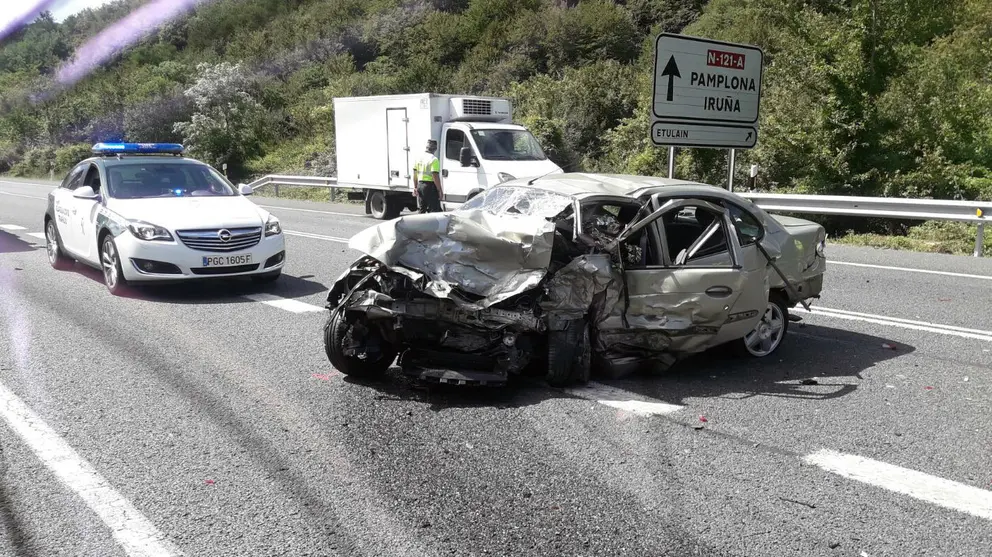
(706, 94)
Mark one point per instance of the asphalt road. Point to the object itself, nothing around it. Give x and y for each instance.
(210, 418)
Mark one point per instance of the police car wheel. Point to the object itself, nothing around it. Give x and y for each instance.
(56, 256)
(110, 263)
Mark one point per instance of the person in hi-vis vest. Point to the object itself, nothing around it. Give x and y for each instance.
(427, 180)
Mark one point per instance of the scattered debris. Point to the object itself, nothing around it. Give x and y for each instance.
(703, 419)
(322, 376)
(965, 378)
(890, 386)
(810, 382)
(928, 388)
(803, 503)
(833, 545)
(697, 426)
(208, 482)
(888, 346)
(943, 299)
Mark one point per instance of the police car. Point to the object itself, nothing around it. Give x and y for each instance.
(143, 212)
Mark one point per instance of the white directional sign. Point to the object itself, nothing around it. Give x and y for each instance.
(706, 93)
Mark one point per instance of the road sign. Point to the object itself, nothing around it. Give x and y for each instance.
(706, 93)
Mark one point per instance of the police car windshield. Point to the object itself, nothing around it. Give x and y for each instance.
(508, 145)
(146, 179)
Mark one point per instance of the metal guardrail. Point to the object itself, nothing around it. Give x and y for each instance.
(879, 207)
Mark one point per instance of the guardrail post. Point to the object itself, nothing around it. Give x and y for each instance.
(979, 239)
(276, 186)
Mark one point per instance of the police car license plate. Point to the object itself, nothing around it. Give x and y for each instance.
(227, 260)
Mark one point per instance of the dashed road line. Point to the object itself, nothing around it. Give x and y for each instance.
(623, 400)
(131, 529)
(316, 236)
(976, 334)
(294, 306)
(22, 195)
(12, 227)
(910, 270)
(932, 489)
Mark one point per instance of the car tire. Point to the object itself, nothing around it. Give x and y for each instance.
(569, 355)
(56, 255)
(267, 278)
(765, 339)
(110, 264)
(335, 330)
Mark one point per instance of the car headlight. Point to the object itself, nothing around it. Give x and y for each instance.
(821, 246)
(272, 227)
(504, 177)
(149, 232)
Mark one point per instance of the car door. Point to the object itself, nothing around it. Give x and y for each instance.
(676, 299)
(64, 205)
(457, 181)
(84, 204)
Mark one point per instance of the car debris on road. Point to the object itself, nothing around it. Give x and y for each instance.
(564, 274)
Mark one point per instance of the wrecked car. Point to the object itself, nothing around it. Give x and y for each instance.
(570, 274)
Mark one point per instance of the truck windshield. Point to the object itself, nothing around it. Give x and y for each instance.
(508, 145)
(140, 180)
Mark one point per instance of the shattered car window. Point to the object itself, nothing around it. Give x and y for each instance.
(510, 200)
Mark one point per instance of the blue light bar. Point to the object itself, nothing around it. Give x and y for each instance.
(136, 148)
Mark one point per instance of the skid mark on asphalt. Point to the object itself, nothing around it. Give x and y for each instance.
(938, 491)
(294, 306)
(976, 334)
(135, 533)
(623, 400)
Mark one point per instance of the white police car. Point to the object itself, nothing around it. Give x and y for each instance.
(142, 212)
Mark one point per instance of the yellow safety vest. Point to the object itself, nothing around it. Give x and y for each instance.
(426, 166)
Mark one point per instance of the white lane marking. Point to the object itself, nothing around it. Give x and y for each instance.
(135, 533)
(22, 195)
(975, 334)
(316, 236)
(910, 270)
(287, 304)
(12, 227)
(623, 400)
(53, 185)
(313, 211)
(39, 235)
(945, 493)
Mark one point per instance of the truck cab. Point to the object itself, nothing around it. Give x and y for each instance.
(379, 138)
(475, 156)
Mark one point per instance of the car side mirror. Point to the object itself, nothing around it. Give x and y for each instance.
(245, 189)
(85, 192)
(466, 157)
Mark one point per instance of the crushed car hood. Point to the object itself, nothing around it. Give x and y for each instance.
(489, 256)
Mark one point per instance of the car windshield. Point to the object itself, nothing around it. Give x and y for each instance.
(510, 200)
(508, 145)
(155, 179)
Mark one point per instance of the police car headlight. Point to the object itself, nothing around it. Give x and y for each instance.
(272, 227)
(148, 232)
(504, 177)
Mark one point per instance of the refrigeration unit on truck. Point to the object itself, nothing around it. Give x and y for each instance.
(378, 140)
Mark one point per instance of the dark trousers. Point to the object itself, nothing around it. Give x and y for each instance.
(430, 201)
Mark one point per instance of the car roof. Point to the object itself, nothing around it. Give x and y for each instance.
(111, 160)
(582, 184)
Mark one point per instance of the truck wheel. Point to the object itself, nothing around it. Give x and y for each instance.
(377, 204)
(336, 330)
(394, 206)
(569, 355)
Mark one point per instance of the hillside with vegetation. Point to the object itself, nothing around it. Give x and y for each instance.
(860, 97)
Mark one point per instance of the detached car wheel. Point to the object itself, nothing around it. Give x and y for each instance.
(110, 262)
(569, 355)
(338, 339)
(769, 332)
(56, 257)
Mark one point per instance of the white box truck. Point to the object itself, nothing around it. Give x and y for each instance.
(378, 139)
